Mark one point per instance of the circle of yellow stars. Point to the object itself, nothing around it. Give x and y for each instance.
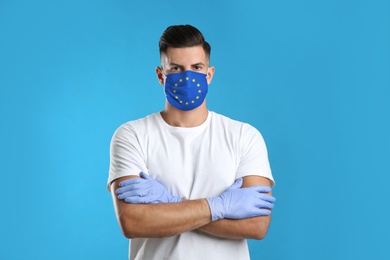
(192, 101)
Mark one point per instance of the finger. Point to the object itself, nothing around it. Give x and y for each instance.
(145, 176)
(264, 212)
(144, 185)
(260, 188)
(236, 184)
(264, 205)
(130, 181)
(130, 187)
(142, 200)
(266, 197)
(137, 193)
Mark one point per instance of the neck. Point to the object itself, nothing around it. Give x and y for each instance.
(191, 118)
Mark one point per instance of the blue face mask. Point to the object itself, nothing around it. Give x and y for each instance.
(186, 90)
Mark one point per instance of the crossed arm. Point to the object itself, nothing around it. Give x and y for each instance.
(169, 219)
(255, 228)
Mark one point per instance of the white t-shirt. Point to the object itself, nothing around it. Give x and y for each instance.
(192, 163)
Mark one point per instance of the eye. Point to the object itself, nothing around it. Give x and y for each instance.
(197, 67)
(174, 69)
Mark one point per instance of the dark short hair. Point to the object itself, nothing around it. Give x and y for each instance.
(179, 36)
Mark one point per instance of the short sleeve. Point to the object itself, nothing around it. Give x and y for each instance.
(126, 157)
(253, 154)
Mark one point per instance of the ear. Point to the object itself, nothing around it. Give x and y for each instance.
(160, 75)
(210, 74)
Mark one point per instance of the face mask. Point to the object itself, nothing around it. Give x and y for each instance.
(186, 90)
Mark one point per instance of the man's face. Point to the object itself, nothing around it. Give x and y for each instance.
(181, 59)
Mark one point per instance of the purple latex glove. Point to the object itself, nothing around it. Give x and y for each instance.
(144, 190)
(240, 203)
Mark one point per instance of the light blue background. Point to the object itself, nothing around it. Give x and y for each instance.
(312, 76)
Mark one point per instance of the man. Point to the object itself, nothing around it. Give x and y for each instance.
(188, 183)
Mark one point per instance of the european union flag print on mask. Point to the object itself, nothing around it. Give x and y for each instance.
(186, 90)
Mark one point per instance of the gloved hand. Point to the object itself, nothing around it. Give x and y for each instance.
(144, 190)
(239, 203)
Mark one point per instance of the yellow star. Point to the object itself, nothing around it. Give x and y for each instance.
(180, 80)
(198, 85)
(175, 84)
(193, 80)
(197, 97)
(181, 101)
(186, 103)
(192, 101)
(187, 78)
(176, 97)
(174, 91)
(199, 91)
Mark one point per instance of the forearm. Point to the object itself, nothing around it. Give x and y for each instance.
(160, 220)
(163, 220)
(254, 228)
(168, 219)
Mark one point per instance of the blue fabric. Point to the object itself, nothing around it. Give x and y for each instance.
(186, 90)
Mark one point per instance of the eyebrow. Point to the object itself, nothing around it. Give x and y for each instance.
(192, 65)
(175, 64)
(198, 64)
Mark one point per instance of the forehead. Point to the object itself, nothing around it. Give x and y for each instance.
(185, 55)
